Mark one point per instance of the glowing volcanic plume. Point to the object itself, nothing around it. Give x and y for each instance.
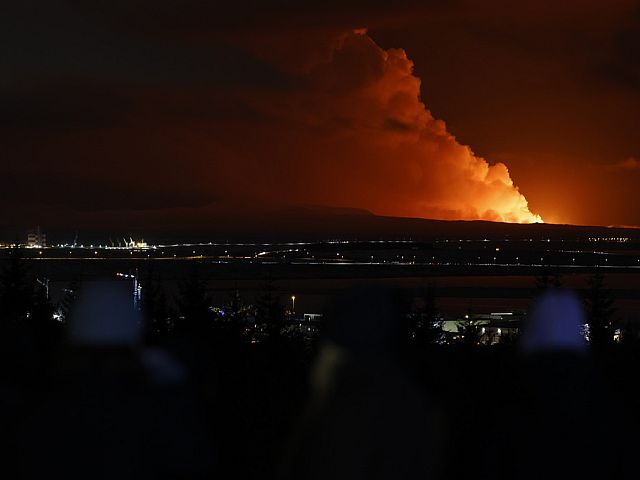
(359, 135)
(343, 125)
(448, 180)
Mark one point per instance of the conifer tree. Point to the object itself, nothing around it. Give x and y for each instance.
(194, 304)
(16, 289)
(269, 310)
(599, 309)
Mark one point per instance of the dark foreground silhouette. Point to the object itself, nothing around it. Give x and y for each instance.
(96, 398)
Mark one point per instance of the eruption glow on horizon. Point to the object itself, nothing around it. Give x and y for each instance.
(359, 135)
(340, 124)
(492, 194)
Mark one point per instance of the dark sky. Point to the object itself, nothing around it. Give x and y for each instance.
(131, 112)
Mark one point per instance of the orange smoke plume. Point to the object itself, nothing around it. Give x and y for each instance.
(356, 133)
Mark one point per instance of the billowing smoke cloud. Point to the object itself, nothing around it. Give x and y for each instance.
(355, 133)
(324, 119)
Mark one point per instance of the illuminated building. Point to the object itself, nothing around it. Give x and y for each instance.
(492, 328)
(36, 238)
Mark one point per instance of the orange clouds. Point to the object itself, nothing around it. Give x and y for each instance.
(356, 133)
(332, 121)
(627, 165)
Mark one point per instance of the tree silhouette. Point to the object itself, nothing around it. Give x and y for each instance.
(234, 308)
(269, 311)
(44, 330)
(70, 296)
(598, 304)
(41, 311)
(425, 322)
(231, 325)
(16, 289)
(469, 330)
(194, 304)
(154, 308)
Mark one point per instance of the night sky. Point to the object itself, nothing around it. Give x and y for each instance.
(138, 113)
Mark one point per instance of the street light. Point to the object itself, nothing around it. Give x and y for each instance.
(293, 304)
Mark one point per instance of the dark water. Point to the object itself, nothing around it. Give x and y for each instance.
(458, 289)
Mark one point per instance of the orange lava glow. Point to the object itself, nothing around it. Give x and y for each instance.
(360, 136)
